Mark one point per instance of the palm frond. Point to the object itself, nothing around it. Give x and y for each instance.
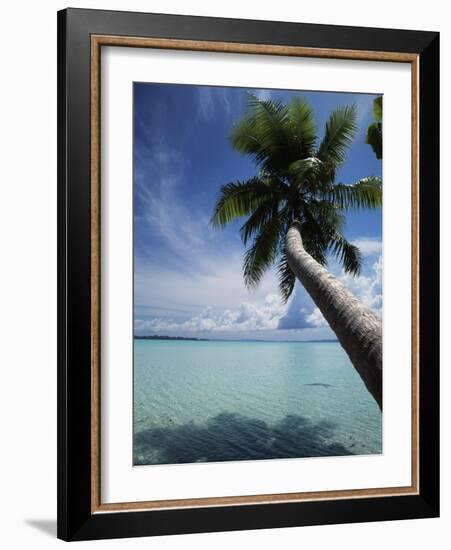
(366, 193)
(315, 236)
(244, 137)
(275, 134)
(340, 131)
(374, 138)
(262, 131)
(327, 214)
(238, 199)
(306, 170)
(321, 220)
(347, 253)
(260, 256)
(302, 126)
(374, 131)
(377, 109)
(286, 277)
(259, 218)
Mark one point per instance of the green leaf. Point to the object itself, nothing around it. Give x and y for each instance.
(315, 236)
(302, 126)
(377, 109)
(262, 253)
(287, 279)
(262, 132)
(275, 134)
(366, 193)
(259, 218)
(340, 131)
(329, 216)
(238, 199)
(374, 138)
(374, 131)
(306, 170)
(348, 254)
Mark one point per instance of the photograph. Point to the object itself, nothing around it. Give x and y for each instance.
(257, 274)
(248, 272)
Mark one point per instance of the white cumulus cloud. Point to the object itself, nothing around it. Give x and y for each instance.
(369, 247)
(246, 317)
(316, 319)
(271, 313)
(367, 289)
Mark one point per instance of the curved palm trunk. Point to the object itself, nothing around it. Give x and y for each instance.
(358, 329)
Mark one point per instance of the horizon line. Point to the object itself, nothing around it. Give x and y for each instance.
(199, 339)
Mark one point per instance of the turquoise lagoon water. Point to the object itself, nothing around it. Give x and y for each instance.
(215, 401)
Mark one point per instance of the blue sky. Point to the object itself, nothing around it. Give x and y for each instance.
(187, 276)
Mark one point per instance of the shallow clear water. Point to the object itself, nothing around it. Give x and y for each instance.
(214, 401)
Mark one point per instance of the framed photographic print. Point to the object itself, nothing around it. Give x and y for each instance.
(248, 274)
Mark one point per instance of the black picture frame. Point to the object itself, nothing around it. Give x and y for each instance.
(76, 521)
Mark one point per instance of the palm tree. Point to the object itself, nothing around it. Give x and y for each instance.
(295, 213)
(374, 130)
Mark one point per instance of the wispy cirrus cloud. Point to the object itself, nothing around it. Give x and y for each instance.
(213, 101)
(159, 175)
(191, 264)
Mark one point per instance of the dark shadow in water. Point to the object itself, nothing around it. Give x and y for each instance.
(319, 384)
(230, 436)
